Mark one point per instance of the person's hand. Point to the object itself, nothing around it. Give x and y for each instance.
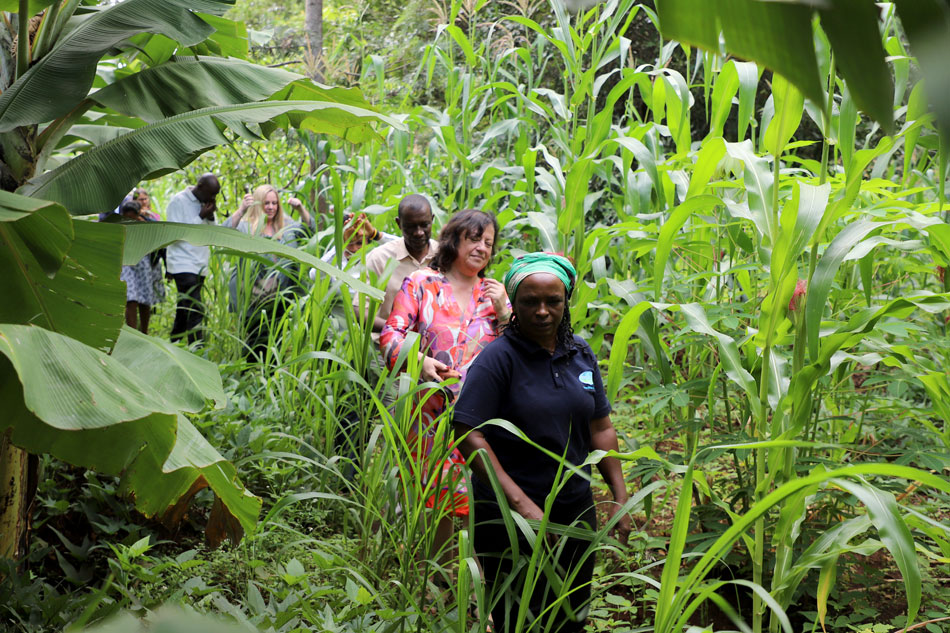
(495, 290)
(295, 203)
(431, 369)
(447, 373)
(530, 510)
(206, 212)
(246, 202)
(620, 531)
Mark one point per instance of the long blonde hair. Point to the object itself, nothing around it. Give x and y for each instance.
(255, 213)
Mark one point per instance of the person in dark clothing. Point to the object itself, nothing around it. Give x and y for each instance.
(545, 381)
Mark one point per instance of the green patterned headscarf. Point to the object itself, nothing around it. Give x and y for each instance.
(557, 265)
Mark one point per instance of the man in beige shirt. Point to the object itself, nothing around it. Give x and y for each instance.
(414, 251)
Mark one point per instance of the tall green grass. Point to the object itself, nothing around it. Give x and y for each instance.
(693, 200)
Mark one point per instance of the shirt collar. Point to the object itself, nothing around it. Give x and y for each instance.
(530, 347)
(191, 195)
(401, 252)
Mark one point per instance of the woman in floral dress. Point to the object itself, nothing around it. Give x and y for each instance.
(456, 311)
(139, 289)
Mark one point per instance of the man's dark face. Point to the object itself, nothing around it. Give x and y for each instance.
(416, 227)
(205, 195)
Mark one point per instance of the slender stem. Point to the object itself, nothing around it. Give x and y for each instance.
(942, 182)
(760, 456)
(823, 176)
(825, 144)
(23, 38)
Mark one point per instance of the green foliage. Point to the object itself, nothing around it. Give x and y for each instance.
(64, 274)
(797, 431)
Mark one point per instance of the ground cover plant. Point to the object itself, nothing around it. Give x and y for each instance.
(761, 237)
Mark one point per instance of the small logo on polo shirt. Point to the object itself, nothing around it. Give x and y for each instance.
(587, 380)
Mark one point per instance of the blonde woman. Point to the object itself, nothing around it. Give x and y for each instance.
(262, 214)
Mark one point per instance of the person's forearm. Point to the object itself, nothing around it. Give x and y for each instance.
(474, 441)
(305, 217)
(605, 439)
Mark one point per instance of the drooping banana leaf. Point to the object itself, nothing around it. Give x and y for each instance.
(187, 83)
(59, 274)
(36, 228)
(144, 237)
(63, 275)
(93, 410)
(59, 80)
(161, 147)
(93, 133)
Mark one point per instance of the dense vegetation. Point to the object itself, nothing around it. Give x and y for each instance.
(763, 277)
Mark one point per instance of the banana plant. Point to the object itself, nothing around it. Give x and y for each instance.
(77, 131)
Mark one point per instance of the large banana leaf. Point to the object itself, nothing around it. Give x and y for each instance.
(74, 387)
(185, 84)
(59, 80)
(63, 275)
(59, 274)
(307, 90)
(119, 415)
(144, 237)
(161, 147)
(33, 228)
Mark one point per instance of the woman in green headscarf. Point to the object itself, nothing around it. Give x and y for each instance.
(545, 381)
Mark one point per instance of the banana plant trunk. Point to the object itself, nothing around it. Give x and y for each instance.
(17, 486)
(17, 157)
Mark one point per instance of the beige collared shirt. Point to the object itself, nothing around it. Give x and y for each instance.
(379, 257)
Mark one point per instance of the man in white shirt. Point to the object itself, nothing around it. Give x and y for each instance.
(414, 251)
(186, 263)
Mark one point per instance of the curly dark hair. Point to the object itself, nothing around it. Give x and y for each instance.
(565, 332)
(470, 222)
(131, 207)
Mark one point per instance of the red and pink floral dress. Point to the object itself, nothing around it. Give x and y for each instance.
(426, 304)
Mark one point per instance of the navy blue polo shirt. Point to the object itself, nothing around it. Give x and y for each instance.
(552, 398)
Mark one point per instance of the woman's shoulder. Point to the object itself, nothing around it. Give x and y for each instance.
(426, 276)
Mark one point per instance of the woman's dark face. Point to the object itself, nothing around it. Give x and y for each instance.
(539, 306)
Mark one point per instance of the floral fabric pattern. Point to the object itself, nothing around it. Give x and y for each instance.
(139, 282)
(427, 305)
(451, 333)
